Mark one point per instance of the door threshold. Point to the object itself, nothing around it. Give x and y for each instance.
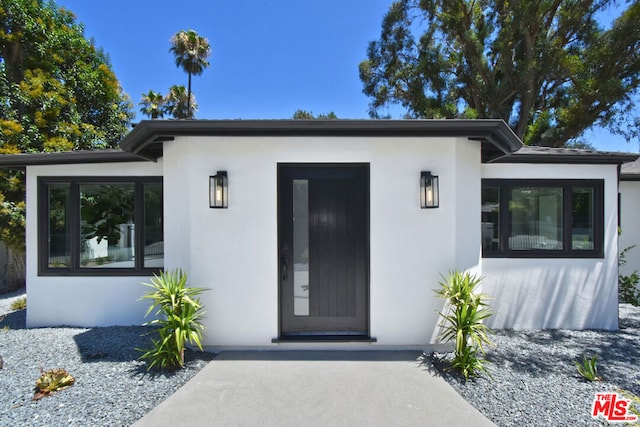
(323, 338)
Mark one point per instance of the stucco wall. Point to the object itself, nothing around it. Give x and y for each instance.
(234, 251)
(630, 224)
(542, 293)
(80, 301)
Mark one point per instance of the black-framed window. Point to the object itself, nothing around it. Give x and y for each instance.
(100, 225)
(537, 218)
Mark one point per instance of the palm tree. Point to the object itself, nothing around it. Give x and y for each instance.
(153, 104)
(191, 52)
(178, 104)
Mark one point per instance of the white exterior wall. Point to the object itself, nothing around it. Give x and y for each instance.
(80, 300)
(544, 293)
(234, 251)
(630, 225)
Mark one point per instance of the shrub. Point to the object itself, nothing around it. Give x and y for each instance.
(19, 304)
(588, 368)
(178, 312)
(462, 321)
(52, 381)
(628, 291)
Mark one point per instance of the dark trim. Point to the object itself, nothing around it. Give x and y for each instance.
(323, 338)
(74, 222)
(629, 177)
(68, 157)
(506, 185)
(549, 155)
(153, 132)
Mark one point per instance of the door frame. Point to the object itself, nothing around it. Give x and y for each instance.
(365, 168)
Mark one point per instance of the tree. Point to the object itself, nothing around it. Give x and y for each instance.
(191, 52)
(179, 104)
(547, 67)
(57, 92)
(303, 114)
(153, 104)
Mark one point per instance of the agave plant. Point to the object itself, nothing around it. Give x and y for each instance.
(588, 368)
(52, 381)
(178, 311)
(462, 321)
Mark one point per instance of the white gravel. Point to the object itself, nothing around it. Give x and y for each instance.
(112, 387)
(535, 382)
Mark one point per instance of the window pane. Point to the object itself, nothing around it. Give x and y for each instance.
(582, 214)
(536, 218)
(300, 247)
(153, 228)
(59, 231)
(490, 218)
(106, 225)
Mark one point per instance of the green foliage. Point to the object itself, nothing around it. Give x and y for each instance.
(57, 93)
(179, 104)
(52, 381)
(178, 312)
(19, 304)
(191, 52)
(153, 104)
(628, 290)
(308, 115)
(588, 368)
(462, 321)
(547, 68)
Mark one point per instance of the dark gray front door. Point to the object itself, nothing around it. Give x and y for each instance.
(324, 249)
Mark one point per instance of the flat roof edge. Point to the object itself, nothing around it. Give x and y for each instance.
(67, 157)
(495, 131)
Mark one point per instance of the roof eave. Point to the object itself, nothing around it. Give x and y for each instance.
(148, 133)
(67, 157)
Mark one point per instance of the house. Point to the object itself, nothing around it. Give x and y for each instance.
(629, 216)
(323, 233)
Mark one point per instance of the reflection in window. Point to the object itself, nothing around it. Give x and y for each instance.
(300, 247)
(536, 218)
(583, 221)
(540, 218)
(490, 218)
(107, 229)
(59, 231)
(97, 223)
(153, 234)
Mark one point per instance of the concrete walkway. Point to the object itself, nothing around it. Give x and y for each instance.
(315, 388)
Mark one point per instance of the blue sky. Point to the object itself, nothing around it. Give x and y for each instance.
(270, 57)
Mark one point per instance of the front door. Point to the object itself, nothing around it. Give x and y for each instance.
(323, 227)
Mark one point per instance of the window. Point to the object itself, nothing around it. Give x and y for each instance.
(543, 218)
(91, 226)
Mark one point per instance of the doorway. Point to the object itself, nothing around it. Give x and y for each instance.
(323, 237)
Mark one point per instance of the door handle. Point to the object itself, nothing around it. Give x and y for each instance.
(285, 267)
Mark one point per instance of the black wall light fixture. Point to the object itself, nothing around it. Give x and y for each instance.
(219, 190)
(429, 193)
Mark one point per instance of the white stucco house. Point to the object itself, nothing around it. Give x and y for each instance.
(326, 233)
(630, 216)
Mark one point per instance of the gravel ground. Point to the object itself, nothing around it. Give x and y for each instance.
(535, 381)
(112, 387)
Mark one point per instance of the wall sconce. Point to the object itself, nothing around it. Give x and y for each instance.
(219, 190)
(429, 193)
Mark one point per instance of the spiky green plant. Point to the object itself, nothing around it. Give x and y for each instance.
(588, 368)
(178, 311)
(52, 381)
(19, 304)
(462, 321)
